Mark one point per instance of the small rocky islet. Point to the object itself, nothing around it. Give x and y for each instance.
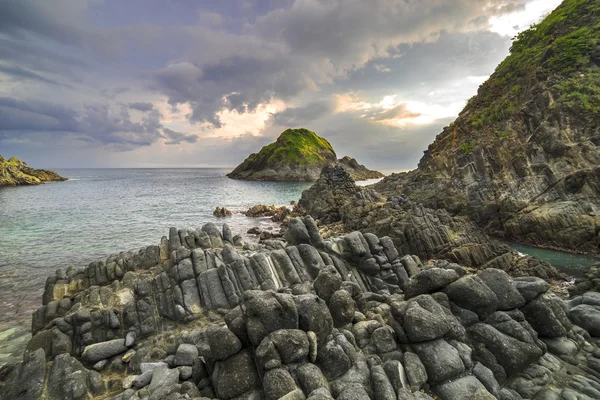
(14, 172)
(297, 155)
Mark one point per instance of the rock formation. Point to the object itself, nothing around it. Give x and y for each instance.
(413, 228)
(14, 172)
(350, 317)
(296, 155)
(521, 160)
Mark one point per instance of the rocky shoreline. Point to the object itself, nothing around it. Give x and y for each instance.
(205, 315)
(14, 172)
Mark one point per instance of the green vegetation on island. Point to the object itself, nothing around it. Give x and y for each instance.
(14, 172)
(297, 155)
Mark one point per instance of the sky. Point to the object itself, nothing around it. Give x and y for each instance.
(203, 83)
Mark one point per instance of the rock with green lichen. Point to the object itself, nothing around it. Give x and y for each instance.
(14, 172)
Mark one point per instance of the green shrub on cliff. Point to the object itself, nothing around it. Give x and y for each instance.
(555, 51)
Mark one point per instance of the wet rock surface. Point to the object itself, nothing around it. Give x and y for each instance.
(348, 317)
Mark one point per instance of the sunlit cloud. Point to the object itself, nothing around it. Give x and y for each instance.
(513, 23)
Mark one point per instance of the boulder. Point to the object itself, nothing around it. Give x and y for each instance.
(223, 342)
(442, 361)
(314, 316)
(503, 287)
(103, 350)
(235, 376)
(471, 293)
(186, 355)
(267, 312)
(429, 281)
(296, 233)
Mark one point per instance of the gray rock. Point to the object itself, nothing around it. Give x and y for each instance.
(186, 355)
(428, 281)
(505, 290)
(185, 373)
(310, 378)
(163, 377)
(486, 376)
(277, 383)
(547, 317)
(531, 287)
(223, 343)
(327, 282)
(103, 350)
(130, 339)
(382, 388)
(465, 388)
(333, 360)
(314, 316)
(441, 360)
(151, 366)
(471, 293)
(267, 312)
(235, 376)
(296, 233)
(342, 308)
(587, 317)
(313, 231)
(292, 345)
(354, 392)
(383, 339)
(143, 380)
(67, 380)
(511, 353)
(424, 324)
(415, 371)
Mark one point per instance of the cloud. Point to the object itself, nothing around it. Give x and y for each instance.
(300, 116)
(141, 106)
(178, 137)
(19, 72)
(397, 112)
(94, 123)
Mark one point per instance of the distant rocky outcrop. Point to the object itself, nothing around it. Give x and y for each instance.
(521, 160)
(14, 172)
(350, 317)
(357, 171)
(297, 155)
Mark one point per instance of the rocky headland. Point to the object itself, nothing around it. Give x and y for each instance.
(14, 172)
(297, 155)
(205, 315)
(521, 160)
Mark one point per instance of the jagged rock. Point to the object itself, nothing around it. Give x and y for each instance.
(222, 212)
(296, 232)
(223, 343)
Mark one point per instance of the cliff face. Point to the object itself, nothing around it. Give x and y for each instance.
(15, 172)
(522, 159)
(297, 155)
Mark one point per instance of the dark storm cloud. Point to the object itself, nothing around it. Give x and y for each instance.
(311, 44)
(174, 137)
(93, 123)
(19, 72)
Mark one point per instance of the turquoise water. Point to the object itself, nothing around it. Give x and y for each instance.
(571, 264)
(103, 211)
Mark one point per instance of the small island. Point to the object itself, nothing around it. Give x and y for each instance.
(298, 155)
(14, 172)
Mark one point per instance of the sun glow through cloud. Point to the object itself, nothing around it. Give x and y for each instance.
(513, 23)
